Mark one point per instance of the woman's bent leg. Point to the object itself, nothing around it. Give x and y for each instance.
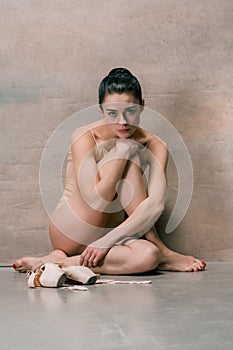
(170, 260)
(72, 227)
(75, 225)
(135, 257)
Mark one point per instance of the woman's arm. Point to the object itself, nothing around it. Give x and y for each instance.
(147, 212)
(97, 183)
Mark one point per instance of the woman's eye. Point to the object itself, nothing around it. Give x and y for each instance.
(131, 111)
(112, 114)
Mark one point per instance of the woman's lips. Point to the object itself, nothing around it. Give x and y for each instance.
(124, 130)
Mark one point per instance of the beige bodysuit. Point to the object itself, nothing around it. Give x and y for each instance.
(138, 223)
(100, 152)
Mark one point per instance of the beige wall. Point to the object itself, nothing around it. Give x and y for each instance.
(54, 53)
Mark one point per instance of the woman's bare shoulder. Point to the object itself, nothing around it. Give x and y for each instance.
(151, 139)
(84, 132)
(157, 147)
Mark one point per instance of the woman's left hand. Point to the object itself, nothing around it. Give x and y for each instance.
(91, 256)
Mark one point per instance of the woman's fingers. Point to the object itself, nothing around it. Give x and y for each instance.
(85, 256)
(94, 258)
(91, 260)
(88, 256)
(127, 145)
(91, 256)
(101, 253)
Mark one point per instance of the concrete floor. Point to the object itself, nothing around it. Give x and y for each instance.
(177, 311)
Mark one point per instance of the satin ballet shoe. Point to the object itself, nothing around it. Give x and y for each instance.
(80, 274)
(47, 275)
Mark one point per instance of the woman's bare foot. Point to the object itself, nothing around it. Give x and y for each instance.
(70, 261)
(172, 261)
(29, 262)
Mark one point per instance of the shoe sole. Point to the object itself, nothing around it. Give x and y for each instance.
(61, 280)
(91, 280)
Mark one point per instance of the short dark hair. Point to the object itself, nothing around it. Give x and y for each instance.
(120, 80)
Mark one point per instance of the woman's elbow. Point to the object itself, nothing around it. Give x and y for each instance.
(160, 208)
(155, 211)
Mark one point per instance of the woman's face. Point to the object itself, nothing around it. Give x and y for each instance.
(122, 114)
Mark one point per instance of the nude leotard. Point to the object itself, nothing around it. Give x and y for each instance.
(77, 229)
(70, 183)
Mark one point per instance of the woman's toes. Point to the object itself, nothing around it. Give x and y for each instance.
(204, 265)
(189, 269)
(17, 265)
(201, 265)
(24, 264)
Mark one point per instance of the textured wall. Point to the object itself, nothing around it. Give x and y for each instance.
(54, 53)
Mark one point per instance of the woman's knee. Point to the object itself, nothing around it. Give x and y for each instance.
(60, 241)
(150, 257)
(146, 256)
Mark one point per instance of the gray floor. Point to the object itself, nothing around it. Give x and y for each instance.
(177, 311)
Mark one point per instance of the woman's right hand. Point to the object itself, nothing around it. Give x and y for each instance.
(127, 147)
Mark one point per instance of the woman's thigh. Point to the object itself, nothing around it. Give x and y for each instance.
(74, 225)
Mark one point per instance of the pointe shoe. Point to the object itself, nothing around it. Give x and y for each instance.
(80, 274)
(47, 275)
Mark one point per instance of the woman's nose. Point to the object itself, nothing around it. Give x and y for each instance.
(122, 119)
